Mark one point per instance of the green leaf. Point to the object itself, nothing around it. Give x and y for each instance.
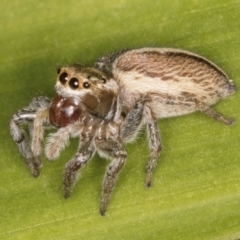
(196, 188)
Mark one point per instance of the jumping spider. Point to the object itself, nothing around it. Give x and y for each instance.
(106, 106)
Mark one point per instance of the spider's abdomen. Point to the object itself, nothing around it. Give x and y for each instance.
(64, 111)
(174, 79)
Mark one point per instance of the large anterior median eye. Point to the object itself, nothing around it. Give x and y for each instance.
(74, 83)
(63, 78)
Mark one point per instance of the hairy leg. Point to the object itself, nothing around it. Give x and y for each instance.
(154, 144)
(133, 122)
(131, 127)
(19, 138)
(27, 116)
(116, 152)
(84, 154)
(213, 114)
(104, 63)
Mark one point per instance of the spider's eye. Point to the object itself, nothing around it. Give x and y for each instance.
(86, 85)
(63, 77)
(73, 83)
(104, 80)
(58, 70)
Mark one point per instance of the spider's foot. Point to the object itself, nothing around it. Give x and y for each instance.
(66, 193)
(229, 121)
(35, 172)
(148, 181)
(37, 163)
(223, 119)
(148, 184)
(103, 210)
(34, 169)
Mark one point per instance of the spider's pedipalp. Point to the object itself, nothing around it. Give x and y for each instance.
(56, 142)
(42, 118)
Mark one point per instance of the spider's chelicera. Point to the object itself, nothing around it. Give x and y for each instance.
(106, 107)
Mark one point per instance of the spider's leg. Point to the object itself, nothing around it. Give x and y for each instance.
(154, 144)
(57, 142)
(116, 152)
(133, 122)
(27, 116)
(84, 154)
(213, 114)
(105, 62)
(19, 137)
(131, 126)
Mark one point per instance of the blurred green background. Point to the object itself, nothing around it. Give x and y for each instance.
(196, 188)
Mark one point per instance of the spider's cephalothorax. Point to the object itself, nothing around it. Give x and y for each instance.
(105, 108)
(85, 88)
(86, 106)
